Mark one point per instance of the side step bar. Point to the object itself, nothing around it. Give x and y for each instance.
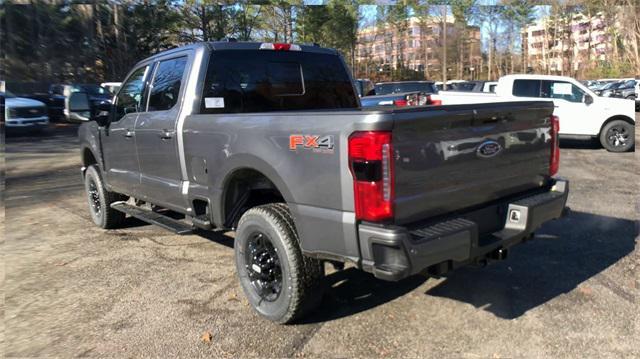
(151, 217)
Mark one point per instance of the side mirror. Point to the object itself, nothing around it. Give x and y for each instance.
(102, 113)
(588, 99)
(79, 106)
(79, 102)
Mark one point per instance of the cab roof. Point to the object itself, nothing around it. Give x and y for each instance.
(237, 45)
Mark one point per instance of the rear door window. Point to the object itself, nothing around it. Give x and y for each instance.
(526, 88)
(165, 88)
(240, 81)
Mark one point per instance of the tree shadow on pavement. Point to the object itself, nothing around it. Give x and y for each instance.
(564, 254)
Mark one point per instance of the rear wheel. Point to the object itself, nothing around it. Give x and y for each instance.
(280, 283)
(617, 136)
(100, 200)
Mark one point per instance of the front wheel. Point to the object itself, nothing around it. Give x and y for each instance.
(100, 200)
(280, 283)
(617, 136)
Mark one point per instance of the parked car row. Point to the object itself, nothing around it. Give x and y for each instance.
(605, 115)
(400, 94)
(62, 102)
(622, 88)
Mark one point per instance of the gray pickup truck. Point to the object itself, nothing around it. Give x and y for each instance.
(270, 140)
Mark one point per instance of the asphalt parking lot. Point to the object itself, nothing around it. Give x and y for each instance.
(71, 289)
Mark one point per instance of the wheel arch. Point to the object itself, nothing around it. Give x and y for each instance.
(624, 118)
(249, 174)
(88, 158)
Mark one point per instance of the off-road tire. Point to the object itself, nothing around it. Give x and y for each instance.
(302, 286)
(106, 217)
(618, 126)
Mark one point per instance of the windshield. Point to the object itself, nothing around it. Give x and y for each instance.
(90, 89)
(629, 84)
(464, 86)
(389, 88)
(614, 85)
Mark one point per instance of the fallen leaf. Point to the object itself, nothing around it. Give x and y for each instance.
(206, 337)
(586, 290)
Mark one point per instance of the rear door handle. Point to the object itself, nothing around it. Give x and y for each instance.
(128, 133)
(166, 134)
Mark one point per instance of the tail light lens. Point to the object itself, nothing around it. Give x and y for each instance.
(554, 163)
(400, 103)
(371, 164)
(434, 102)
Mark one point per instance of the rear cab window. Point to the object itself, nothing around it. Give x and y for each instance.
(244, 81)
(526, 88)
(390, 88)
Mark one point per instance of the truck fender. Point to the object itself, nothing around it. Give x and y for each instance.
(244, 162)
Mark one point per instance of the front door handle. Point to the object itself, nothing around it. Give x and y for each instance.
(166, 134)
(128, 133)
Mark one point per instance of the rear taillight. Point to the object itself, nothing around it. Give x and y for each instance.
(400, 103)
(554, 162)
(371, 164)
(434, 102)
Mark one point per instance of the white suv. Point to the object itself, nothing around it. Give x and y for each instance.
(582, 113)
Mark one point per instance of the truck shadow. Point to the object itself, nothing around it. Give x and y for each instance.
(564, 254)
(586, 144)
(352, 291)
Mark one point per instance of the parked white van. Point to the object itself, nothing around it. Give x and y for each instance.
(582, 113)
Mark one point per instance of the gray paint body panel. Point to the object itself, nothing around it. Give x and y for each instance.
(317, 185)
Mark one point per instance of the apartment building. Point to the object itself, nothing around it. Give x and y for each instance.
(418, 46)
(565, 45)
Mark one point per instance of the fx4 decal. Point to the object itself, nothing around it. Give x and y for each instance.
(323, 144)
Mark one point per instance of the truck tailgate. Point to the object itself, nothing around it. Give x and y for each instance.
(451, 158)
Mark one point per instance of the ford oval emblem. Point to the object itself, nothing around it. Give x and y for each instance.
(488, 149)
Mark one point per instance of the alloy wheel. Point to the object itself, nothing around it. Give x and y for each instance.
(263, 266)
